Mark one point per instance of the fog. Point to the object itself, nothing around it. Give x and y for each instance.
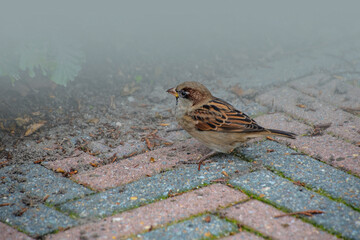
(174, 30)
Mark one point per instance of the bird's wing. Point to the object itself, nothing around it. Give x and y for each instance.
(218, 115)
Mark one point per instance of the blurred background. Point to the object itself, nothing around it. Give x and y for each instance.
(58, 53)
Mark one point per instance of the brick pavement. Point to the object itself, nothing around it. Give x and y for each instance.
(151, 195)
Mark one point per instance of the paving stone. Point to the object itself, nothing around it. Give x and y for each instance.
(37, 181)
(310, 109)
(25, 210)
(336, 217)
(282, 122)
(134, 168)
(196, 228)
(307, 170)
(242, 236)
(293, 66)
(155, 214)
(127, 149)
(81, 161)
(37, 220)
(9, 233)
(332, 89)
(327, 148)
(158, 186)
(260, 217)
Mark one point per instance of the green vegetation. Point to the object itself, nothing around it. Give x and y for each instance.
(59, 62)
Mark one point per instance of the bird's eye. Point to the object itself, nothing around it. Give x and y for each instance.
(183, 93)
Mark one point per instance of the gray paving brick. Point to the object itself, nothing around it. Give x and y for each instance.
(307, 170)
(35, 180)
(26, 210)
(155, 187)
(37, 220)
(196, 228)
(343, 124)
(268, 186)
(296, 65)
(331, 89)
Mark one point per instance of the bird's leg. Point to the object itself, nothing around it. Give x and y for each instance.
(201, 160)
(210, 154)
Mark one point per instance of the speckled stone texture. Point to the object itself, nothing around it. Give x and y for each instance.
(336, 217)
(313, 111)
(80, 161)
(261, 217)
(146, 164)
(242, 236)
(196, 228)
(306, 170)
(143, 218)
(329, 149)
(40, 182)
(9, 233)
(333, 89)
(152, 188)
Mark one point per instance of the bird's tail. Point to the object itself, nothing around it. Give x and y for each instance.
(281, 133)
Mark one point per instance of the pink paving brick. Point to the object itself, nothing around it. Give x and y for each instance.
(134, 168)
(282, 122)
(127, 149)
(329, 89)
(260, 216)
(206, 199)
(9, 233)
(80, 161)
(313, 111)
(243, 236)
(329, 149)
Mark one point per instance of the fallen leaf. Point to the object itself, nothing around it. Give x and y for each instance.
(270, 138)
(33, 127)
(306, 213)
(149, 144)
(301, 105)
(46, 197)
(298, 183)
(207, 234)
(93, 164)
(73, 172)
(133, 198)
(270, 150)
(60, 170)
(219, 180)
(262, 195)
(20, 212)
(39, 161)
(207, 219)
(237, 90)
(36, 113)
(93, 120)
(164, 124)
(338, 77)
(152, 160)
(168, 143)
(22, 121)
(225, 174)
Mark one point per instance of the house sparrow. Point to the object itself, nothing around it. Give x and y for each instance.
(213, 121)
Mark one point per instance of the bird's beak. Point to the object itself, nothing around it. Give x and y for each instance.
(173, 92)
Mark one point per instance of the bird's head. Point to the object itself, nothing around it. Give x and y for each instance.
(190, 93)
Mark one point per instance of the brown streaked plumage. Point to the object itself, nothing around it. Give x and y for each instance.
(213, 121)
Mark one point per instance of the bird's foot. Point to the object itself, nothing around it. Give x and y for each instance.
(201, 160)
